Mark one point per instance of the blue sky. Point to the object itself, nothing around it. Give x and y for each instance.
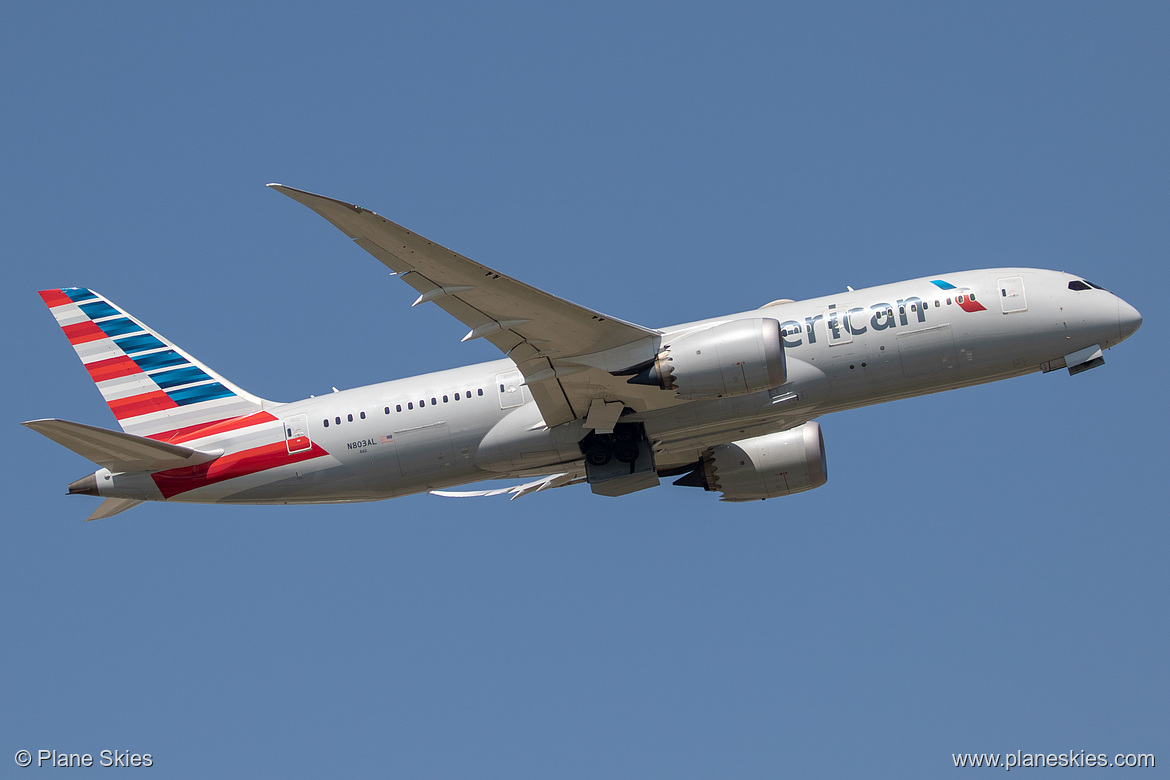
(985, 570)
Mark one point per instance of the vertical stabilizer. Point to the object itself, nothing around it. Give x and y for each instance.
(153, 388)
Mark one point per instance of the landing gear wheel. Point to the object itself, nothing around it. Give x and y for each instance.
(597, 456)
(626, 451)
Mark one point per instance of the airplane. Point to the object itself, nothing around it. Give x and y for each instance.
(727, 404)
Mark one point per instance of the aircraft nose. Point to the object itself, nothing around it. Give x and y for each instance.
(1129, 319)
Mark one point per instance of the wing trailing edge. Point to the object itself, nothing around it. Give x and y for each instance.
(515, 491)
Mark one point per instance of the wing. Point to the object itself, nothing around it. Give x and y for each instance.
(565, 352)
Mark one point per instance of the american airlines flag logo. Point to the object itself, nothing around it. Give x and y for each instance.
(965, 300)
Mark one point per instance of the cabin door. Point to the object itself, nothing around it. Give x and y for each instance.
(1011, 294)
(508, 385)
(296, 433)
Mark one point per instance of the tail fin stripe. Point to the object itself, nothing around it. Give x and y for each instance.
(98, 309)
(193, 417)
(197, 393)
(78, 294)
(179, 376)
(152, 387)
(191, 432)
(100, 349)
(135, 405)
(114, 368)
(126, 388)
(195, 432)
(82, 332)
(143, 342)
(55, 298)
(119, 327)
(69, 315)
(157, 360)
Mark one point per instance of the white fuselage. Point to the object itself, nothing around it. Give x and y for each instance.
(480, 422)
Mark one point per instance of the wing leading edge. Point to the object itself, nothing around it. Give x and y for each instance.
(565, 351)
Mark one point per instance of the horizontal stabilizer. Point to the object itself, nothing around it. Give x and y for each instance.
(113, 506)
(119, 451)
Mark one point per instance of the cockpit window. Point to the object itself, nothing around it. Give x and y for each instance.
(1095, 286)
(1078, 285)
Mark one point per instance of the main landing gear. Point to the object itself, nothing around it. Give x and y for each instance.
(620, 462)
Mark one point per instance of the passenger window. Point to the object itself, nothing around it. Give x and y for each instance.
(421, 403)
(362, 415)
(457, 396)
(410, 404)
(326, 421)
(434, 401)
(338, 420)
(445, 399)
(948, 301)
(349, 417)
(479, 391)
(398, 407)
(387, 410)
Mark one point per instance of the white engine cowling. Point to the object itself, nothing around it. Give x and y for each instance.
(778, 464)
(735, 358)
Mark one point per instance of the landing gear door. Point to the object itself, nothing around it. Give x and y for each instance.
(508, 385)
(1011, 295)
(296, 433)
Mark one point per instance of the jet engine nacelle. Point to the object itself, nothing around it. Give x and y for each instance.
(734, 358)
(778, 464)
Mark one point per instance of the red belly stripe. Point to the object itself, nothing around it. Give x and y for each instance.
(237, 464)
